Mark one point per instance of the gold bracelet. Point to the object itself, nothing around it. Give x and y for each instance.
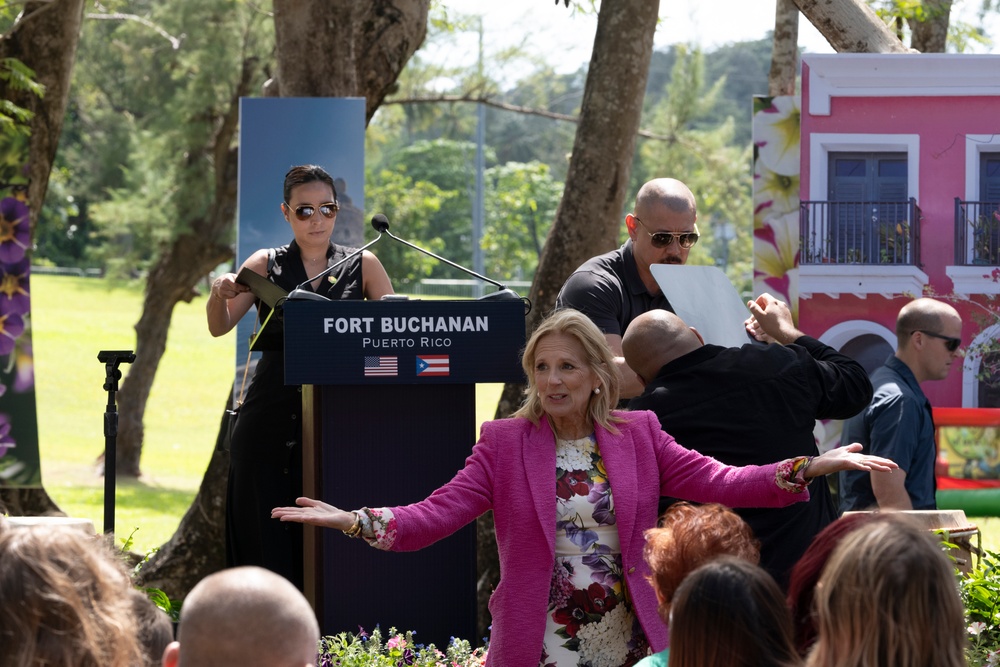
(355, 529)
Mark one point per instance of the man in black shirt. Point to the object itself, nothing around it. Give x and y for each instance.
(750, 405)
(613, 288)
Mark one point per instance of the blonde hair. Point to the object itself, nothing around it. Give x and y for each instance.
(597, 354)
(888, 598)
(65, 600)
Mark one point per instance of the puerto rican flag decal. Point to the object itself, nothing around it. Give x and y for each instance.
(432, 364)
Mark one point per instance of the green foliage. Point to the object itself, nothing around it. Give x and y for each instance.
(16, 76)
(980, 591)
(410, 207)
(521, 204)
(707, 159)
(371, 650)
(148, 99)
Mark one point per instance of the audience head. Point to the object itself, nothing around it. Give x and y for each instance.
(888, 598)
(154, 627)
(805, 574)
(662, 205)
(593, 349)
(730, 613)
(64, 600)
(654, 339)
(928, 335)
(689, 536)
(244, 616)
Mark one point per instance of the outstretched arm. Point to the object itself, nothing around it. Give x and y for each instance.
(316, 513)
(847, 458)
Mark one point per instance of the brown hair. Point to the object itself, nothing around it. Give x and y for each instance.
(306, 173)
(65, 600)
(888, 598)
(731, 613)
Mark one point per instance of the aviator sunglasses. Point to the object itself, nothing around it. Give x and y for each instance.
(307, 211)
(950, 343)
(664, 239)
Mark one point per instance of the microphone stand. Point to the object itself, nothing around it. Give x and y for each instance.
(111, 359)
(300, 293)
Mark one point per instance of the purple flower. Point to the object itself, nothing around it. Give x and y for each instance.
(11, 326)
(6, 442)
(15, 230)
(14, 287)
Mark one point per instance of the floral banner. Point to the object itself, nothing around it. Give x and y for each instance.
(19, 460)
(776, 130)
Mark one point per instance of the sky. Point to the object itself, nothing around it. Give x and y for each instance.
(565, 38)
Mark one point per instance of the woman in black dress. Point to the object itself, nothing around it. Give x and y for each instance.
(266, 455)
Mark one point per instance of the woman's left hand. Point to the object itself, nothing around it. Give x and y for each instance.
(848, 457)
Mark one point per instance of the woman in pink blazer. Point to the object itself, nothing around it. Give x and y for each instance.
(573, 587)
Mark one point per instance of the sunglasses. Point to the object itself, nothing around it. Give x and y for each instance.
(307, 211)
(664, 239)
(950, 343)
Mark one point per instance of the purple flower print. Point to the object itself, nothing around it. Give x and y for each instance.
(14, 287)
(15, 230)
(11, 326)
(24, 364)
(6, 442)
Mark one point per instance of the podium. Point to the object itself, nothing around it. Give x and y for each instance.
(389, 416)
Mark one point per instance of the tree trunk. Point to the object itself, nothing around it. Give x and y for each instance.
(45, 39)
(851, 26)
(366, 44)
(190, 256)
(589, 217)
(931, 34)
(198, 547)
(785, 53)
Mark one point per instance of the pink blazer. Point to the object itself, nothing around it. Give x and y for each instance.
(512, 471)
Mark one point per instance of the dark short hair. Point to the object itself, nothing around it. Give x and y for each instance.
(306, 173)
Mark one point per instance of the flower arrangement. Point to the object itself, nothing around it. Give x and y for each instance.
(365, 649)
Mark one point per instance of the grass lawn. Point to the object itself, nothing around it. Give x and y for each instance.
(72, 320)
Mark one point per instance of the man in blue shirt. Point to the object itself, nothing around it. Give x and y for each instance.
(898, 423)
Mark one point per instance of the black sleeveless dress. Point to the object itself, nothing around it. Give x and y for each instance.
(265, 468)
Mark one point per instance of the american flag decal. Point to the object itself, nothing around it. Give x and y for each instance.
(381, 367)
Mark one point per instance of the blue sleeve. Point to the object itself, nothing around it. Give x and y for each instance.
(894, 428)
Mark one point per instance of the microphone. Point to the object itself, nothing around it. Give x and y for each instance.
(381, 223)
(300, 293)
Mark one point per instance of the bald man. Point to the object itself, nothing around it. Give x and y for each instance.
(898, 422)
(244, 616)
(613, 288)
(750, 405)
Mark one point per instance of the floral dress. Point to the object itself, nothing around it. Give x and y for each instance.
(589, 622)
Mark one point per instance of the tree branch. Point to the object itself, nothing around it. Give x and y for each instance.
(175, 42)
(477, 99)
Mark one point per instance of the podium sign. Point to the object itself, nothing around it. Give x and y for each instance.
(403, 342)
(389, 415)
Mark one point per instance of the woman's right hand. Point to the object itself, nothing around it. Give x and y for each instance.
(225, 287)
(315, 513)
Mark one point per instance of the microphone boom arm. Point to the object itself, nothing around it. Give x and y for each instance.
(446, 261)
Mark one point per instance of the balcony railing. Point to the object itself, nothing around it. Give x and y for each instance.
(977, 233)
(859, 232)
